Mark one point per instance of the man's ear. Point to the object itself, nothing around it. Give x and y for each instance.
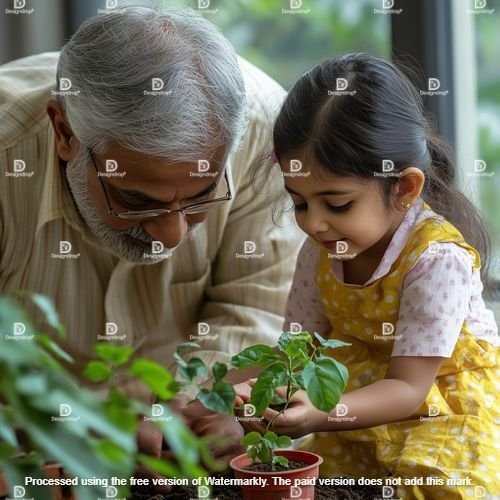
(408, 188)
(66, 143)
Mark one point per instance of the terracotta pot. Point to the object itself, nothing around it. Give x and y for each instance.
(53, 471)
(287, 489)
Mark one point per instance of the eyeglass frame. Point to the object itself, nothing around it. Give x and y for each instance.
(126, 214)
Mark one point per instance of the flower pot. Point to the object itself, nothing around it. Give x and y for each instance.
(53, 471)
(287, 487)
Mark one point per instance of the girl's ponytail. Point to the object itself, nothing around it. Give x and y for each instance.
(445, 199)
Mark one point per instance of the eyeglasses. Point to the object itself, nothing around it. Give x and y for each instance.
(195, 208)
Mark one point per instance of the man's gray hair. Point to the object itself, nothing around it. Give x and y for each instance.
(112, 60)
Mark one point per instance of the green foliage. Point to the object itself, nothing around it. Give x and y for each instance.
(98, 437)
(301, 365)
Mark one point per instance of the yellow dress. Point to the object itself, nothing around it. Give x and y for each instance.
(460, 438)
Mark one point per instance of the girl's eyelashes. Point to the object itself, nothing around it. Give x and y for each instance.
(302, 207)
(339, 209)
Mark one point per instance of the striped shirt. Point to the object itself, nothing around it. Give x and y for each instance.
(100, 297)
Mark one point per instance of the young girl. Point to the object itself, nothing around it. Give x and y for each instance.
(391, 265)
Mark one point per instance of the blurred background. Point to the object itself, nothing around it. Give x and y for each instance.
(456, 41)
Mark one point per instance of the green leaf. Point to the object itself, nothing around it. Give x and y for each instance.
(31, 383)
(281, 460)
(298, 379)
(284, 442)
(220, 399)
(159, 465)
(194, 367)
(46, 305)
(269, 380)
(219, 370)
(118, 355)
(257, 355)
(186, 345)
(251, 438)
(97, 371)
(53, 348)
(270, 438)
(156, 377)
(325, 381)
(287, 337)
(330, 343)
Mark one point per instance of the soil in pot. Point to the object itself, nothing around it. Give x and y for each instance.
(266, 467)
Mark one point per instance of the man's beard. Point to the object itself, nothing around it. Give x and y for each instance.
(118, 241)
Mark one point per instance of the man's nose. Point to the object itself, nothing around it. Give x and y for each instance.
(170, 229)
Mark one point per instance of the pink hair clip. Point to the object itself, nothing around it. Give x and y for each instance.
(274, 158)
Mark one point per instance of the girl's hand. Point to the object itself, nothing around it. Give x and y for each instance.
(242, 391)
(299, 419)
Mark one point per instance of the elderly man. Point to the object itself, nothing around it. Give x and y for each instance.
(126, 192)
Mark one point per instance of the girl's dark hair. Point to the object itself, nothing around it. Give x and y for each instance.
(378, 116)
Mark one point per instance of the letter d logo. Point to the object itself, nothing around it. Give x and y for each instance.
(18, 491)
(64, 410)
(387, 491)
(341, 410)
(111, 328)
(341, 84)
(341, 247)
(295, 327)
(295, 492)
(295, 165)
(479, 4)
(157, 83)
(111, 165)
(249, 410)
(157, 247)
(203, 165)
(111, 492)
(19, 328)
(157, 410)
(203, 491)
(387, 4)
(295, 4)
(19, 165)
(433, 410)
(111, 4)
(64, 83)
(19, 4)
(64, 247)
(387, 165)
(249, 247)
(203, 328)
(479, 166)
(387, 328)
(433, 84)
(203, 4)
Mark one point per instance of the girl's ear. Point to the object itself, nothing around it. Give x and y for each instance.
(408, 188)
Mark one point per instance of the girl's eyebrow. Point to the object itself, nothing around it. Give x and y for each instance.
(320, 193)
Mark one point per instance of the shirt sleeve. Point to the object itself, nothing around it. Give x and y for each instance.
(304, 303)
(434, 303)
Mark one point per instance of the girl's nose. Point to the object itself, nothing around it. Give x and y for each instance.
(313, 223)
